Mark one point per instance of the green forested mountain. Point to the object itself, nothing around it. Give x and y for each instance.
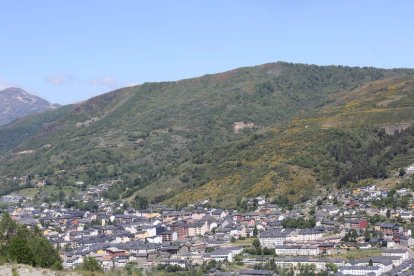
(314, 126)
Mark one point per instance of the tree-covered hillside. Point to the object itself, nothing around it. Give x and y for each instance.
(26, 246)
(175, 141)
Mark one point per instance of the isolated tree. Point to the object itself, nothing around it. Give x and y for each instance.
(331, 267)
(132, 269)
(267, 251)
(141, 202)
(8, 227)
(19, 251)
(91, 264)
(255, 231)
(256, 243)
(43, 253)
(61, 195)
(367, 235)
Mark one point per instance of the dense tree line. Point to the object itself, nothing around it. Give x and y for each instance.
(300, 222)
(22, 245)
(362, 157)
(9, 186)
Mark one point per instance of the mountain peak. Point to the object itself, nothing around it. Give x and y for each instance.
(12, 89)
(16, 103)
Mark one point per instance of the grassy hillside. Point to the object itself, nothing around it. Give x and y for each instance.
(345, 142)
(175, 141)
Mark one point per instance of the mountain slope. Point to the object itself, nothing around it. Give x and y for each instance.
(16, 103)
(345, 142)
(175, 141)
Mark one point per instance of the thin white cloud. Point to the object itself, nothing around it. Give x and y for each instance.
(59, 79)
(108, 82)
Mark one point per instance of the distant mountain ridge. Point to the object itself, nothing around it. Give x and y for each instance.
(306, 128)
(16, 103)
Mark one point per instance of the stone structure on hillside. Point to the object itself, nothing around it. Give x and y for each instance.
(239, 126)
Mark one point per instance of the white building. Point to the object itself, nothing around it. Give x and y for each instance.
(306, 235)
(320, 264)
(273, 237)
(359, 270)
(403, 254)
(221, 255)
(293, 250)
(410, 170)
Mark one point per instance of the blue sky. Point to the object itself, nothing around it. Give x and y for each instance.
(67, 51)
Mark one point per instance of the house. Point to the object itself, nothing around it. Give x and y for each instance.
(113, 251)
(237, 217)
(11, 199)
(249, 222)
(275, 224)
(181, 229)
(388, 229)
(331, 210)
(356, 224)
(406, 215)
(328, 224)
(120, 261)
(176, 215)
(141, 257)
(239, 231)
(402, 191)
(239, 126)
(141, 234)
(364, 245)
(221, 255)
(326, 246)
(410, 170)
(169, 236)
(107, 262)
(170, 249)
(198, 214)
(148, 214)
(260, 201)
(391, 243)
(272, 207)
(154, 239)
(407, 241)
(218, 214)
(197, 229)
(181, 263)
(235, 250)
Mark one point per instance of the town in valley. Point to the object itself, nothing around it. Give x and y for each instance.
(357, 231)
